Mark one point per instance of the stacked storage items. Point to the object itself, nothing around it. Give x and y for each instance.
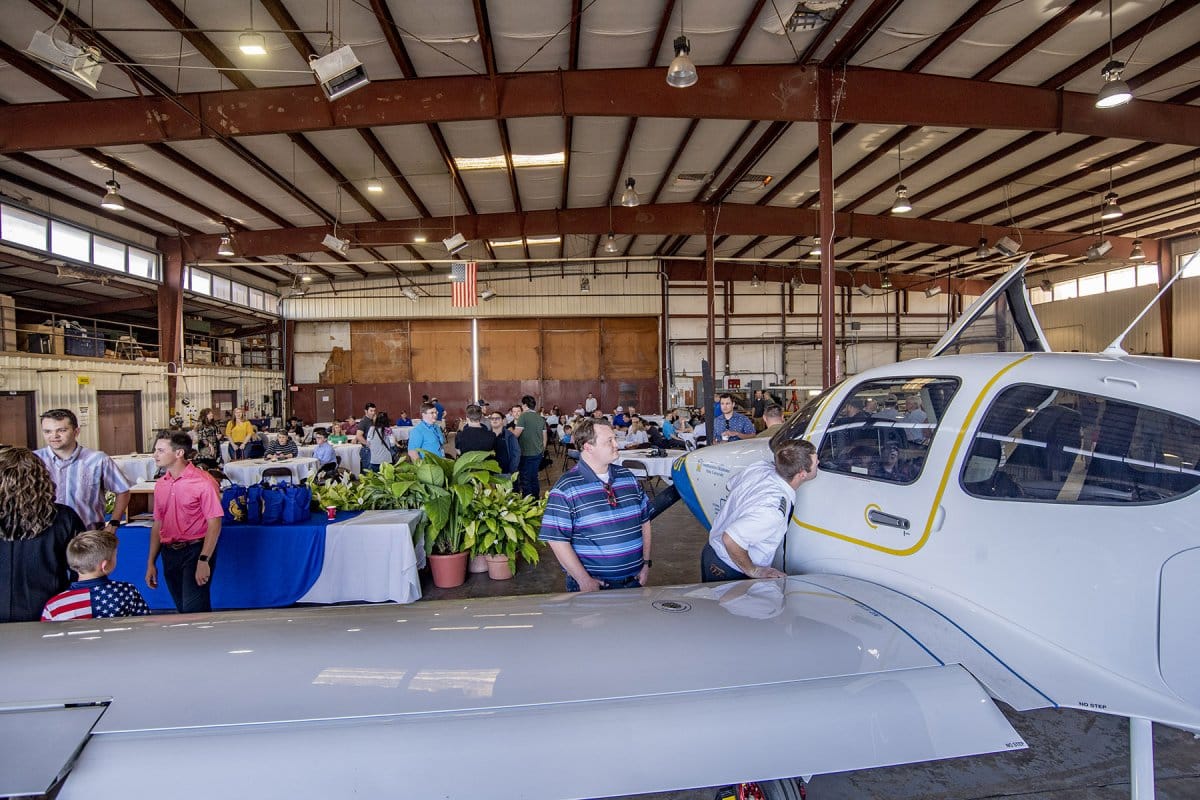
(80, 343)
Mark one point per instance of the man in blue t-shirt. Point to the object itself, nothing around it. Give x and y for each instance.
(597, 518)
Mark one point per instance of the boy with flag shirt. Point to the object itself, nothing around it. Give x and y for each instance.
(93, 554)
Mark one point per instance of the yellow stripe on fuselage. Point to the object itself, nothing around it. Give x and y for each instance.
(941, 490)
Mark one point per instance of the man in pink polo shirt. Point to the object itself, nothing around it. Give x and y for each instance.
(187, 524)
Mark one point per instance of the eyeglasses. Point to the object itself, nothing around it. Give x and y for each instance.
(496, 417)
(612, 496)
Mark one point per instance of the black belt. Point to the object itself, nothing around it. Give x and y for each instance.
(179, 545)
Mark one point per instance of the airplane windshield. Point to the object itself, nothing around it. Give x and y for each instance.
(797, 424)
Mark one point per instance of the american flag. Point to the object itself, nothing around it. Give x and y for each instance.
(462, 293)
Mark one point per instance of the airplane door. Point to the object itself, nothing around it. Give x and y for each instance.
(1000, 321)
(874, 487)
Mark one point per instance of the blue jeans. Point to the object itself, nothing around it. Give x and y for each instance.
(713, 569)
(179, 574)
(629, 582)
(530, 483)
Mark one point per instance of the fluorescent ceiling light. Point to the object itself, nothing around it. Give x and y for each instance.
(252, 43)
(455, 243)
(76, 64)
(1098, 250)
(499, 162)
(933, 291)
(1007, 246)
(410, 293)
(420, 238)
(486, 294)
(375, 185)
(864, 290)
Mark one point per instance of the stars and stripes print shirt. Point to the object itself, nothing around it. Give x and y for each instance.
(96, 598)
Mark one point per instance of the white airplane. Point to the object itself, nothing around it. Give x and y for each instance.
(1014, 527)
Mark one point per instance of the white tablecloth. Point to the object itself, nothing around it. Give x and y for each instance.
(136, 467)
(371, 557)
(250, 470)
(660, 466)
(400, 433)
(348, 455)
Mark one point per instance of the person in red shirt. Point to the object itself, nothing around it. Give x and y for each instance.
(187, 524)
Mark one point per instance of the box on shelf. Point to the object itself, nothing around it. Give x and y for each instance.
(84, 345)
(198, 354)
(8, 323)
(45, 339)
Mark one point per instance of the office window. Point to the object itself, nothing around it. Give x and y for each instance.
(71, 242)
(22, 227)
(220, 287)
(143, 263)
(201, 282)
(240, 294)
(1124, 278)
(108, 254)
(1195, 268)
(1066, 290)
(1091, 284)
(256, 299)
(1147, 274)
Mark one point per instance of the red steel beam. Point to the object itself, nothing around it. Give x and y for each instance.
(747, 92)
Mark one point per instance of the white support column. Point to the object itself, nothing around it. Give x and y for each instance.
(1141, 759)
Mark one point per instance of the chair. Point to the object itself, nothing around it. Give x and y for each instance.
(641, 472)
(277, 472)
(254, 449)
(327, 473)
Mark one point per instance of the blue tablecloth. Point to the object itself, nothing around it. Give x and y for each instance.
(257, 566)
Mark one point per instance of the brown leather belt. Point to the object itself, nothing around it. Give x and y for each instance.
(179, 545)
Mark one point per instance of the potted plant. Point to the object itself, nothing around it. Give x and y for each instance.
(503, 525)
(451, 487)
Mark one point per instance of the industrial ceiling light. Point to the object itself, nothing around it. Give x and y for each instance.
(81, 65)
(585, 285)
(754, 280)
(796, 283)
(410, 293)
(816, 248)
(455, 244)
(1137, 253)
(629, 197)
(901, 204)
(864, 290)
(610, 243)
(983, 251)
(486, 294)
(1046, 285)
(1111, 210)
(112, 198)
(374, 185)
(339, 72)
(226, 246)
(933, 291)
(1007, 246)
(1098, 250)
(252, 43)
(682, 72)
(335, 244)
(1115, 92)
(885, 282)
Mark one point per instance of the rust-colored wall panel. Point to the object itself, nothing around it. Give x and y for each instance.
(571, 355)
(338, 369)
(629, 348)
(441, 351)
(379, 351)
(508, 350)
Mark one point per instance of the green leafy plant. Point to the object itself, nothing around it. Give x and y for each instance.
(452, 487)
(504, 522)
(342, 494)
(393, 486)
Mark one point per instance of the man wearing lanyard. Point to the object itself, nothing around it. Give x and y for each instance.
(187, 524)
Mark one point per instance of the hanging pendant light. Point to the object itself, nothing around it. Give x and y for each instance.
(983, 251)
(682, 72)
(1111, 210)
(816, 248)
(226, 246)
(629, 197)
(112, 198)
(374, 184)
(251, 42)
(1115, 92)
(1137, 253)
(610, 243)
(754, 280)
(901, 204)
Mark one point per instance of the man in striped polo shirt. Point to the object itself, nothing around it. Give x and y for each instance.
(81, 475)
(597, 518)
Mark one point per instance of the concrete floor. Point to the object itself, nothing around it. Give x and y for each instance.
(1072, 755)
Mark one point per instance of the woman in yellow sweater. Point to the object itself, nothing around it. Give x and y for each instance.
(238, 431)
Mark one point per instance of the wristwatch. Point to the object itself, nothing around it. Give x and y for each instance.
(203, 558)
(647, 562)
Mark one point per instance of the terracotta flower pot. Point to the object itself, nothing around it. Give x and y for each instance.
(448, 571)
(498, 568)
(477, 564)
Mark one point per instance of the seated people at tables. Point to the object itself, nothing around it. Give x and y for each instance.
(337, 435)
(403, 421)
(554, 419)
(350, 427)
(324, 451)
(295, 427)
(730, 424)
(281, 446)
(565, 436)
(700, 429)
(426, 434)
(668, 425)
(637, 433)
(474, 436)
(620, 420)
(507, 448)
(238, 431)
(659, 439)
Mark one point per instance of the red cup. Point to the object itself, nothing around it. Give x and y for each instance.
(330, 512)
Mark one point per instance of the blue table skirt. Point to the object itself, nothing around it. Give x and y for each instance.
(257, 566)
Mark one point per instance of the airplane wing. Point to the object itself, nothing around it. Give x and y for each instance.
(555, 696)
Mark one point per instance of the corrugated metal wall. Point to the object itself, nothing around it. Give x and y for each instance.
(610, 294)
(1186, 305)
(73, 383)
(1102, 316)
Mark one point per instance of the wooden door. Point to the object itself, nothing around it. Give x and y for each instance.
(119, 422)
(324, 410)
(17, 417)
(223, 400)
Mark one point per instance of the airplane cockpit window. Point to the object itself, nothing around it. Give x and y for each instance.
(884, 428)
(797, 424)
(1055, 445)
